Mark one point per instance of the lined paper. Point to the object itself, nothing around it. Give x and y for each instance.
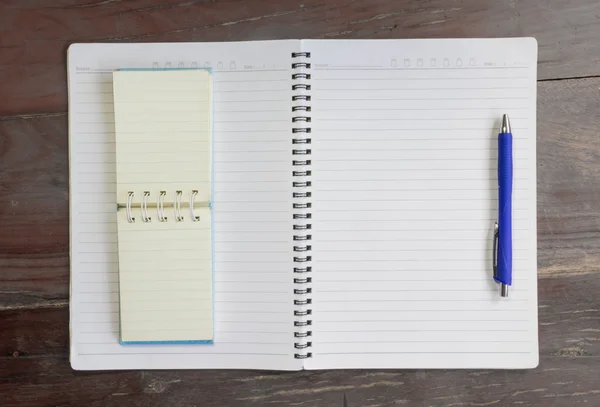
(252, 206)
(163, 143)
(404, 196)
(404, 200)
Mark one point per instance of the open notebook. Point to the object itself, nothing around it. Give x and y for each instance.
(355, 192)
(163, 146)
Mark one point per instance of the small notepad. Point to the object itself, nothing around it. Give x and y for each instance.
(163, 136)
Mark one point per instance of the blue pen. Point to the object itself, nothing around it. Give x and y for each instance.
(503, 228)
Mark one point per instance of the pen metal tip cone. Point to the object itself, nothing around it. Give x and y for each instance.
(505, 125)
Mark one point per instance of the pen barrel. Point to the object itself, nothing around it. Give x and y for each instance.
(505, 188)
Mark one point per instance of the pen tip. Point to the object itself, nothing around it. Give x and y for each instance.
(505, 124)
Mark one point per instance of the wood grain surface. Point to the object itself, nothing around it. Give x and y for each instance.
(34, 35)
(34, 240)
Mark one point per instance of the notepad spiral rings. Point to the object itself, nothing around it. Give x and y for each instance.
(148, 203)
(301, 202)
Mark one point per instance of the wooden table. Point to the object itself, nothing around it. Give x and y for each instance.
(34, 206)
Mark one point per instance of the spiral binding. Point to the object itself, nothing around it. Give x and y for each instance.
(160, 206)
(301, 205)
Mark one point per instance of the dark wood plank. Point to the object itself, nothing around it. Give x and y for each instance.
(569, 315)
(568, 177)
(36, 33)
(28, 332)
(560, 381)
(34, 197)
(34, 202)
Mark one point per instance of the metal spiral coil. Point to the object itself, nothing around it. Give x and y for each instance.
(149, 203)
(301, 204)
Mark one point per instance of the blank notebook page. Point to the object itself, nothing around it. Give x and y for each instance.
(405, 197)
(163, 144)
(252, 206)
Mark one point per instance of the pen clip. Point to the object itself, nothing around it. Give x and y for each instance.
(495, 251)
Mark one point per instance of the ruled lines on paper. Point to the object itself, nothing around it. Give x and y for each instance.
(405, 198)
(252, 303)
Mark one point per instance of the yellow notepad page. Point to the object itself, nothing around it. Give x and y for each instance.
(163, 135)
